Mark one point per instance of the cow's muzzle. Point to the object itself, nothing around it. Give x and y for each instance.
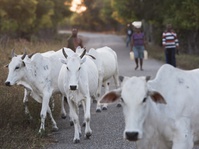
(132, 136)
(7, 83)
(73, 87)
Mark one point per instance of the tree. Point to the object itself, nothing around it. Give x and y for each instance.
(26, 17)
(17, 16)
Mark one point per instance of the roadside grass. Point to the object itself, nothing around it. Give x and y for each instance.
(184, 61)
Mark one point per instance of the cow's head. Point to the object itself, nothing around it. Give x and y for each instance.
(73, 66)
(136, 101)
(15, 67)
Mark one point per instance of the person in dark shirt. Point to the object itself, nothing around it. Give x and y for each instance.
(138, 45)
(129, 33)
(74, 41)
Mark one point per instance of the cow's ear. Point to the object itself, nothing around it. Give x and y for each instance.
(123, 79)
(148, 78)
(111, 96)
(83, 60)
(23, 64)
(157, 97)
(6, 66)
(63, 61)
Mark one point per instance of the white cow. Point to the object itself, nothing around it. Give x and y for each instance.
(161, 113)
(107, 64)
(27, 90)
(78, 79)
(39, 74)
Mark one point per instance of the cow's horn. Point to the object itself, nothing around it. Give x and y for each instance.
(30, 55)
(64, 53)
(24, 55)
(13, 53)
(84, 52)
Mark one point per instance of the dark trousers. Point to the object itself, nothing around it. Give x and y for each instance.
(170, 56)
(128, 40)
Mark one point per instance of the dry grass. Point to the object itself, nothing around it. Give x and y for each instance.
(184, 61)
(16, 131)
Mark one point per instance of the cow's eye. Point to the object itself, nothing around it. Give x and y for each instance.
(16, 67)
(144, 100)
(67, 68)
(79, 68)
(122, 99)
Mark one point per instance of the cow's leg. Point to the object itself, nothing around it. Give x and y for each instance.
(52, 103)
(117, 84)
(54, 124)
(98, 107)
(73, 111)
(45, 105)
(87, 117)
(63, 111)
(183, 136)
(25, 102)
(84, 109)
(106, 86)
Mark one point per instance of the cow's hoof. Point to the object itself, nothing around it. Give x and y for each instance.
(55, 129)
(80, 105)
(98, 110)
(84, 124)
(76, 141)
(104, 108)
(94, 101)
(41, 133)
(63, 116)
(88, 135)
(119, 105)
(71, 123)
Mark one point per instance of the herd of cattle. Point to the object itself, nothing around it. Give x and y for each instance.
(159, 114)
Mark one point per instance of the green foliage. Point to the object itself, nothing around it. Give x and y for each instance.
(17, 15)
(183, 14)
(120, 11)
(26, 17)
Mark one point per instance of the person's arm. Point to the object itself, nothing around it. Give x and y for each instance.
(176, 41)
(81, 43)
(163, 39)
(145, 42)
(67, 41)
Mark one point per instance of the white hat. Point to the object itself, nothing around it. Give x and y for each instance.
(137, 24)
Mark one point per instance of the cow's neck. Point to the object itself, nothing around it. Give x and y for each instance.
(158, 121)
(31, 76)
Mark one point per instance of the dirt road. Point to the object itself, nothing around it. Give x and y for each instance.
(107, 126)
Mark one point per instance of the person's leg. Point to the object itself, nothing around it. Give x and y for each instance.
(127, 41)
(141, 62)
(136, 54)
(173, 57)
(168, 55)
(136, 62)
(141, 56)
